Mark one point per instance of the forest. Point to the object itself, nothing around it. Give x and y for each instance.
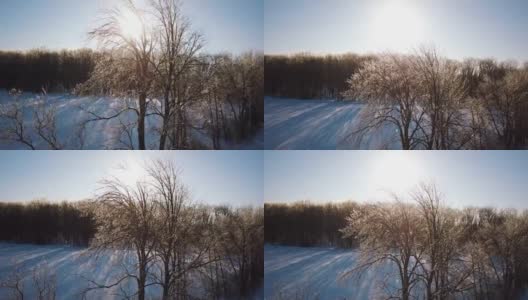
(166, 239)
(307, 76)
(162, 75)
(308, 224)
(56, 71)
(43, 222)
(440, 252)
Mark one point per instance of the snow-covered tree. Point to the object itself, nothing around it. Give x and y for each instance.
(126, 67)
(241, 241)
(177, 57)
(184, 232)
(503, 91)
(389, 85)
(443, 271)
(444, 92)
(126, 219)
(388, 233)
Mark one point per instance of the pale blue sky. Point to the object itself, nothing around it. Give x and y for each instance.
(458, 28)
(215, 177)
(466, 178)
(228, 25)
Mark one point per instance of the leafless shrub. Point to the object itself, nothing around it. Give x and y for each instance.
(12, 122)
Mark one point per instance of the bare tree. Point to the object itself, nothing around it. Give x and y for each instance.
(444, 95)
(388, 233)
(178, 48)
(241, 234)
(444, 271)
(12, 122)
(504, 238)
(504, 93)
(389, 85)
(242, 80)
(45, 282)
(127, 223)
(126, 68)
(213, 105)
(45, 122)
(42, 279)
(183, 235)
(42, 131)
(15, 281)
(438, 103)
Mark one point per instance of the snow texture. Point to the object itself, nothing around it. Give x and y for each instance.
(101, 135)
(74, 267)
(320, 125)
(316, 273)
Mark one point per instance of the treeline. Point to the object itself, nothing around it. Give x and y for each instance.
(55, 71)
(307, 76)
(307, 224)
(42, 222)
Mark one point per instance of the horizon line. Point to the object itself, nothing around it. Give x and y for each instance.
(381, 52)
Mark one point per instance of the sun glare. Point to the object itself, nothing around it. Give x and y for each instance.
(131, 25)
(394, 172)
(129, 170)
(397, 26)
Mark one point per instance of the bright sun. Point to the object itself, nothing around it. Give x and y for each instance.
(128, 170)
(396, 25)
(394, 172)
(131, 25)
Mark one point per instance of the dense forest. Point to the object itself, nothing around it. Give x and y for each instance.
(43, 222)
(56, 71)
(307, 224)
(306, 76)
(442, 252)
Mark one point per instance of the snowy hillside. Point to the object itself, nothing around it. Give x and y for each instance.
(106, 134)
(74, 268)
(315, 273)
(319, 125)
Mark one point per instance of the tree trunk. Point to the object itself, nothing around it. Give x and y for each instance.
(142, 279)
(141, 120)
(165, 125)
(166, 280)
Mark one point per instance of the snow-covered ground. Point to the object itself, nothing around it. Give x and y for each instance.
(316, 273)
(104, 134)
(319, 125)
(75, 267)
(72, 266)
